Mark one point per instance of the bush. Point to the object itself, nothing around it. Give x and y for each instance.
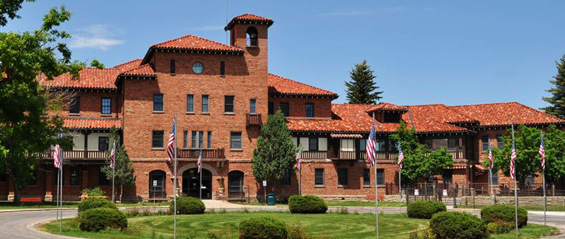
(262, 228)
(97, 191)
(457, 225)
(425, 209)
(95, 203)
(504, 213)
(98, 219)
(499, 227)
(188, 205)
(307, 204)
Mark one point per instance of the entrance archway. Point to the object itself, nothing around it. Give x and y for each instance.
(190, 182)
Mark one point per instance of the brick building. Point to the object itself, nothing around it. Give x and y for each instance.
(221, 95)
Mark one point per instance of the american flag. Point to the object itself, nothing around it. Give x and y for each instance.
(199, 162)
(400, 157)
(512, 163)
(171, 144)
(370, 148)
(542, 153)
(113, 156)
(490, 159)
(57, 156)
(298, 160)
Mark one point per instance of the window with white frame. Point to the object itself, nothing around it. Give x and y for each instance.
(347, 145)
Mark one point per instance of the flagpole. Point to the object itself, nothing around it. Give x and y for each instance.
(114, 172)
(200, 169)
(491, 162)
(400, 190)
(543, 179)
(61, 192)
(58, 182)
(175, 182)
(376, 187)
(515, 186)
(300, 181)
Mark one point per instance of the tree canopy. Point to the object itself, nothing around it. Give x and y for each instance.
(9, 9)
(275, 153)
(97, 64)
(123, 166)
(362, 87)
(557, 98)
(419, 160)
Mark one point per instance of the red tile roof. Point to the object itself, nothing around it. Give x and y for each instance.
(387, 107)
(90, 78)
(191, 42)
(142, 70)
(503, 114)
(279, 85)
(90, 123)
(251, 18)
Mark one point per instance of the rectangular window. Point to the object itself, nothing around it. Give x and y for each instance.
(271, 108)
(102, 179)
(485, 142)
(319, 177)
(252, 106)
(158, 103)
(190, 103)
(322, 144)
(392, 146)
(313, 144)
(286, 180)
(185, 139)
(363, 145)
(235, 140)
(103, 143)
(285, 108)
(106, 105)
(452, 144)
(197, 139)
(173, 67)
(447, 177)
(366, 177)
(499, 142)
(222, 68)
(380, 177)
(347, 145)
(75, 105)
(309, 110)
(229, 104)
(157, 141)
(209, 138)
(380, 145)
(342, 177)
(75, 178)
(204, 103)
(494, 178)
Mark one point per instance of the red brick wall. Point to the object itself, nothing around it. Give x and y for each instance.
(91, 105)
(322, 107)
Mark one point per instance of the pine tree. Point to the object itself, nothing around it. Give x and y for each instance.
(362, 87)
(124, 169)
(557, 100)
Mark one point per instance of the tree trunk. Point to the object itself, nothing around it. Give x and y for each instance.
(121, 192)
(17, 195)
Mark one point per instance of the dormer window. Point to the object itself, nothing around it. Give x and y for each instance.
(391, 117)
(252, 37)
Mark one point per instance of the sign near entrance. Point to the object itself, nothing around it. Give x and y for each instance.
(416, 192)
(445, 192)
(154, 183)
(264, 183)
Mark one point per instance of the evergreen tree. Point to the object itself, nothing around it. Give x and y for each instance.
(362, 87)
(26, 131)
(97, 64)
(123, 166)
(557, 100)
(275, 154)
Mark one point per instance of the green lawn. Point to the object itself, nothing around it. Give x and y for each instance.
(530, 231)
(225, 225)
(556, 208)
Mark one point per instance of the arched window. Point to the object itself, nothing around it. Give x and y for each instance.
(252, 37)
(157, 184)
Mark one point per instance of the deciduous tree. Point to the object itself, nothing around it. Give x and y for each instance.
(123, 166)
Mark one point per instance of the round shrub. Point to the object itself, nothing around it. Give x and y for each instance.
(262, 228)
(98, 219)
(95, 203)
(188, 205)
(499, 227)
(457, 225)
(504, 213)
(425, 209)
(307, 204)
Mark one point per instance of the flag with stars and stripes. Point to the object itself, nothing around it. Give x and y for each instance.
(370, 148)
(400, 157)
(113, 156)
(298, 160)
(199, 162)
(57, 159)
(542, 153)
(512, 162)
(490, 159)
(171, 144)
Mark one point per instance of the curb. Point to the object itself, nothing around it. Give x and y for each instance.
(35, 210)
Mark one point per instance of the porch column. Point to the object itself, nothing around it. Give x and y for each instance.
(85, 144)
(10, 190)
(49, 186)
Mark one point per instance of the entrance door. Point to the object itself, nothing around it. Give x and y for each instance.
(235, 189)
(190, 182)
(157, 184)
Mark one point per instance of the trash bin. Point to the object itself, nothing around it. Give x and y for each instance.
(271, 200)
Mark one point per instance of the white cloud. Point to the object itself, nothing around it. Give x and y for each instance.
(96, 36)
(208, 28)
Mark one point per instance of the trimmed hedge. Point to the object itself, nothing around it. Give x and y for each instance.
(307, 204)
(98, 219)
(457, 225)
(95, 203)
(262, 228)
(188, 205)
(504, 213)
(425, 209)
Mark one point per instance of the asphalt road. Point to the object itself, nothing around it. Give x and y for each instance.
(21, 224)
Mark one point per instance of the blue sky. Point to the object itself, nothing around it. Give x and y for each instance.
(423, 52)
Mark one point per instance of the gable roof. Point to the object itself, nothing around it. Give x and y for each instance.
(279, 85)
(387, 107)
(191, 42)
(249, 18)
(504, 114)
